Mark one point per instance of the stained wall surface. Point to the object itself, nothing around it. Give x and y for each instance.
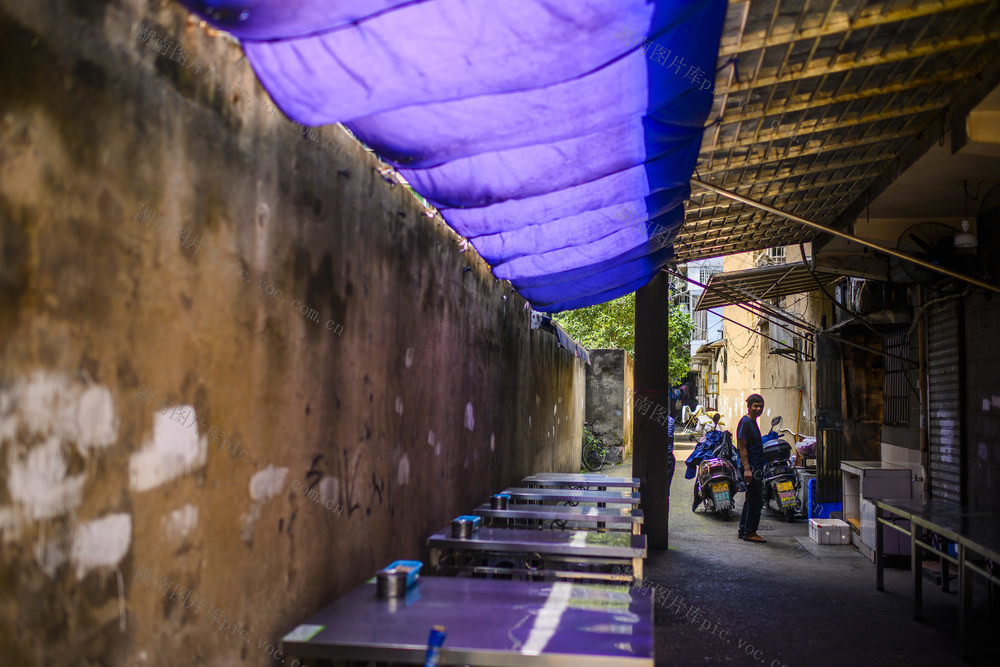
(240, 369)
(609, 399)
(747, 366)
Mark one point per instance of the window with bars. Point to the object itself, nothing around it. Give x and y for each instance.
(896, 390)
(711, 384)
(706, 272)
(770, 256)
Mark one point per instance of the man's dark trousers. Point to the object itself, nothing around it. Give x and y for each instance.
(671, 463)
(752, 502)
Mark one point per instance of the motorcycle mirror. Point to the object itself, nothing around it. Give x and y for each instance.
(775, 421)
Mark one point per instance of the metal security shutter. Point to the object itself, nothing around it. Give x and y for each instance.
(943, 390)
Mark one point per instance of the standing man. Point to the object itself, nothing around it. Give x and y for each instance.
(752, 456)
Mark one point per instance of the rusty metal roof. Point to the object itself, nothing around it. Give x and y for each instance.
(767, 282)
(820, 104)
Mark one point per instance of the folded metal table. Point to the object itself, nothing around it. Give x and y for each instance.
(487, 622)
(547, 554)
(618, 497)
(976, 536)
(576, 480)
(613, 517)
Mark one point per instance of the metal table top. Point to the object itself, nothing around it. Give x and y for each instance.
(576, 543)
(977, 530)
(554, 479)
(575, 495)
(950, 519)
(488, 622)
(610, 515)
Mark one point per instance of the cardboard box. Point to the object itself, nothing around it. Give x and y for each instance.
(829, 531)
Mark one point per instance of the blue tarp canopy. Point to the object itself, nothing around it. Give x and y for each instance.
(558, 137)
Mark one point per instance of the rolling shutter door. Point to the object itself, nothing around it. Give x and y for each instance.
(943, 392)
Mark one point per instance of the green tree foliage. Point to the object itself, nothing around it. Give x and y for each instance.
(681, 328)
(612, 325)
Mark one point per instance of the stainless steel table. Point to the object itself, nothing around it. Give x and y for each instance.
(488, 622)
(976, 536)
(611, 517)
(545, 553)
(621, 497)
(577, 480)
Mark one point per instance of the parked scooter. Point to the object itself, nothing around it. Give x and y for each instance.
(715, 482)
(700, 422)
(780, 481)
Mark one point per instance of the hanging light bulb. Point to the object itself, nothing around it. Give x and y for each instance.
(965, 239)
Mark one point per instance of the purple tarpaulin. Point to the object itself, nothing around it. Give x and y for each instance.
(558, 137)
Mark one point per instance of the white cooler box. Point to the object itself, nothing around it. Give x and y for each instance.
(829, 531)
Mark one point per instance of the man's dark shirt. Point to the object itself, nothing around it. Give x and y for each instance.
(750, 432)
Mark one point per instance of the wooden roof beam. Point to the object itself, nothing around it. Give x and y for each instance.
(912, 84)
(855, 63)
(820, 148)
(828, 27)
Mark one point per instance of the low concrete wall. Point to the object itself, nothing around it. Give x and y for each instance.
(239, 369)
(609, 394)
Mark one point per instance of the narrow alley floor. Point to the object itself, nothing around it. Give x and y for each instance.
(790, 601)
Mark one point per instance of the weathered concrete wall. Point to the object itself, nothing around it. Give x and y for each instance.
(163, 403)
(609, 393)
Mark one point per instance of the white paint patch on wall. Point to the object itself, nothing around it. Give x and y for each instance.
(263, 486)
(399, 406)
(178, 524)
(403, 471)
(10, 524)
(50, 555)
(409, 357)
(96, 420)
(493, 442)
(329, 489)
(54, 404)
(45, 403)
(430, 438)
(470, 420)
(59, 411)
(101, 543)
(174, 450)
(268, 483)
(39, 484)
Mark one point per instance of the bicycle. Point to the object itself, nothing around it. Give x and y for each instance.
(593, 449)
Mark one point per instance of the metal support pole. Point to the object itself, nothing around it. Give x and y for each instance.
(652, 381)
(854, 239)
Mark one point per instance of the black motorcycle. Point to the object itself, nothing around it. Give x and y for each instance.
(780, 481)
(716, 482)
